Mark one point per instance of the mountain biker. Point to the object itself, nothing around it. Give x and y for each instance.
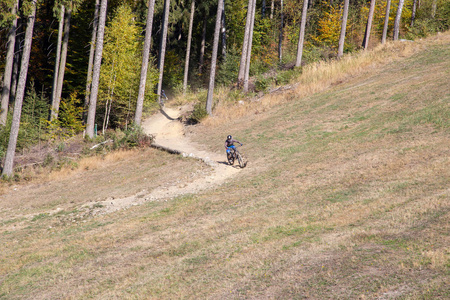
(229, 144)
(163, 94)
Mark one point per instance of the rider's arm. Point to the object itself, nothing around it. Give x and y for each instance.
(236, 141)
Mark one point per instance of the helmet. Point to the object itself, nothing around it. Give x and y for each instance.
(229, 137)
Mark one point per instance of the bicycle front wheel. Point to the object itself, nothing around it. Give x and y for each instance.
(240, 160)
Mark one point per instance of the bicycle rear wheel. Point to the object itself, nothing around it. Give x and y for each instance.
(230, 158)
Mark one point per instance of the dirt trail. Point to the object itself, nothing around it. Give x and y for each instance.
(169, 133)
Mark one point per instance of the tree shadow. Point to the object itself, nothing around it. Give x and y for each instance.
(167, 116)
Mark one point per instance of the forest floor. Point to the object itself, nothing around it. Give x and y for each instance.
(346, 196)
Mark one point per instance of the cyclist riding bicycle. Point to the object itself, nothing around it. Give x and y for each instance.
(229, 144)
(161, 100)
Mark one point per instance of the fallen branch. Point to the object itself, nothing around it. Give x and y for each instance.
(102, 143)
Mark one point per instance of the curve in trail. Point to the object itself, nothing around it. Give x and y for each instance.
(168, 132)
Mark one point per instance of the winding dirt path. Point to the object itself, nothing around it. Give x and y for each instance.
(169, 133)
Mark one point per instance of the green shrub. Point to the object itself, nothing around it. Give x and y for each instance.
(229, 68)
(132, 137)
(199, 113)
(285, 77)
(262, 83)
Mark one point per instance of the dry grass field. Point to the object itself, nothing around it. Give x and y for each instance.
(346, 196)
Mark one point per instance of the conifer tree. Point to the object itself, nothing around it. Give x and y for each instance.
(188, 47)
(10, 153)
(62, 64)
(91, 57)
(144, 66)
(365, 43)
(343, 29)
(249, 48)
(90, 124)
(212, 75)
(162, 49)
(386, 21)
(7, 76)
(398, 18)
(244, 52)
(301, 37)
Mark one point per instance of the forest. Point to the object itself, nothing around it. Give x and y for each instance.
(73, 66)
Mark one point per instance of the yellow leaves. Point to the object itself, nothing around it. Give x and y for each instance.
(330, 26)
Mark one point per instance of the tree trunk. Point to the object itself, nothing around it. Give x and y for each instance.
(365, 43)
(57, 59)
(343, 29)
(243, 62)
(212, 75)
(145, 58)
(96, 70)
(17, 56)
(263, 9)
(10, 153)
(188, 48)
(8, 67)
(386, 21)
(301, 37)
(224, 33)
(433, 8)
(162, 49)
(91, 58)
(398, 18)
(280, 39)
(413, 13)
(272, 8)
(249, 48)
(62, 64)
(201, 60)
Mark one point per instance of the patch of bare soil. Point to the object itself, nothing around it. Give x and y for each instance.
(169, 133)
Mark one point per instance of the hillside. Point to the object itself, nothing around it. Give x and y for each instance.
(345, 196)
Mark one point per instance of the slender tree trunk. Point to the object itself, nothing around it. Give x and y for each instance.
(263, 9)
(224, 33)
(398, 18)
(162, 51)
(249, 48)
(365, 43)
(58, 59)
(301, 37)
(62, 65)
(212, 75)
(433, 8)
(91, 58)
(413, 13)
(202, 46)
(280, 38)
(17, 57)
(188, 48)
(272, 8)
(243, 62)
(10, 152)
(96, 71)
(343, 29)
(145, 58)
(386, 21)
(8, 67)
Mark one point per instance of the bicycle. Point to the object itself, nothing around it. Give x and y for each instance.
(233, 155)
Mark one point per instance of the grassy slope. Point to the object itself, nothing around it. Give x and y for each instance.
(346, 196)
